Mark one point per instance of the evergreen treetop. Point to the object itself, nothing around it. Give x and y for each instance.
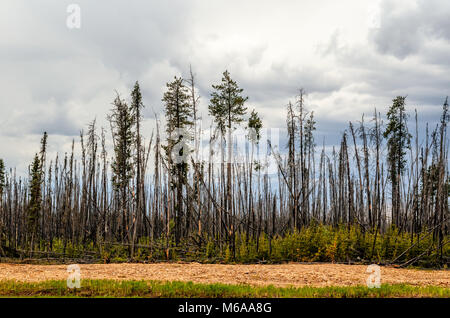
(255, 123)
(227, 103)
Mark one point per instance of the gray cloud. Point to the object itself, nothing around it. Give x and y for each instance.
(407, 29)
(57, 80)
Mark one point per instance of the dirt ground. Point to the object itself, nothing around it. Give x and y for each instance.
(316, 275)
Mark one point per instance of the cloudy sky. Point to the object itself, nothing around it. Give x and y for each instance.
(350, 56)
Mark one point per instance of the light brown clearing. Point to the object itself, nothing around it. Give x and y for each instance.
(283, 275)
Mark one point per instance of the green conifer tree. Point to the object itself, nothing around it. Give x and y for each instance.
(399, 140)
(122, 122)
(136, 108)
(178, 111)
(227, 106)
(34, 205)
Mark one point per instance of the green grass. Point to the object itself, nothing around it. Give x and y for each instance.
(112, 288)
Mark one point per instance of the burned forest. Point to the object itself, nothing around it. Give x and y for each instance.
(232, 193)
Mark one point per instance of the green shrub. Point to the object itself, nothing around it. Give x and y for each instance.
(315, 243)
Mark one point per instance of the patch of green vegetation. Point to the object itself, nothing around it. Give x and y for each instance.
(316, 243)
(114, 288)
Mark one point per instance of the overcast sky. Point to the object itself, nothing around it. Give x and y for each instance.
(349, 55)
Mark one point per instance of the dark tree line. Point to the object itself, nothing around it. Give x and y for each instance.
(379, 176)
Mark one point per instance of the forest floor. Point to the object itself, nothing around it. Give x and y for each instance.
(283, 275)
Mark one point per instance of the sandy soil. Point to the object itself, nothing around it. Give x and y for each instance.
(257, 275)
